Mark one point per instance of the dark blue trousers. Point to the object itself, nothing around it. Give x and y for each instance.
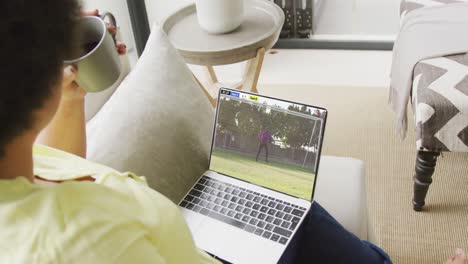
(321, 239)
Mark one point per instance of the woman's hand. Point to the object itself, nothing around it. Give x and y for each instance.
(70, 89)
(67, 130)
(459, 258)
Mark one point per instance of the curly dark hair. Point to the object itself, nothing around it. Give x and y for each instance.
(36, 38)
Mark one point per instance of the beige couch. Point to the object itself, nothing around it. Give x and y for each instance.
(158, 123)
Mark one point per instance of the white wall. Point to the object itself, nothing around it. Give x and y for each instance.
(159, 9)
(344, 68)
(363, 17)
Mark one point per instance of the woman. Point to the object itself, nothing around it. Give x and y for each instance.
(59, 208)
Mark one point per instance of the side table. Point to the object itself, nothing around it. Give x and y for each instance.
(257, 34)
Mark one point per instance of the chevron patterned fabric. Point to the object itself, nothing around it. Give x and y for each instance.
(440, 95)
(440, 103)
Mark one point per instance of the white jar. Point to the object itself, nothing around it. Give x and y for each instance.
(220, 16)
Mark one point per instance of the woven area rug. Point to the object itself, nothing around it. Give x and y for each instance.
(360, 125)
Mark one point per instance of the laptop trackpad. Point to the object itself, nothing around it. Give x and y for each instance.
(235, 245)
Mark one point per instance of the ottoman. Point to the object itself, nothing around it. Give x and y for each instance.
(440, 107)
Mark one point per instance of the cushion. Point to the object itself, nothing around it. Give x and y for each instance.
(157, 124)
(94, 101)
(341, 190)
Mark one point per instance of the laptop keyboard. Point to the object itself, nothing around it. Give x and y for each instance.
(251, 211)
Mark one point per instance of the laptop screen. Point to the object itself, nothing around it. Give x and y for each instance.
(268, 142)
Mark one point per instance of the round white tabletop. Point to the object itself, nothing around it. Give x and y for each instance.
(262, 25)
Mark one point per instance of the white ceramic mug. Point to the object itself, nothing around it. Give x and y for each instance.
(98, 62)
(220, 16)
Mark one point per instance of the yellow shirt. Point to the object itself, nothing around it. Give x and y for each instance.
(117, 219)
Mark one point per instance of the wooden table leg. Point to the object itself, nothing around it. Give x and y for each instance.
(425, 166)
(249, 81)
(252, 72)
(212, 86)
(211, 74)
(207, 92)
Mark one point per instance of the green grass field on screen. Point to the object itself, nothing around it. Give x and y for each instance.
(290, 179)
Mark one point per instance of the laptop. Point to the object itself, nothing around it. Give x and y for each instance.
(262, 173)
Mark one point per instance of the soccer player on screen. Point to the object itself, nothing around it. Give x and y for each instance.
(264, 138)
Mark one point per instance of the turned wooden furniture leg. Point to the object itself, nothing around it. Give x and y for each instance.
(252, 72)
(425, 166)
